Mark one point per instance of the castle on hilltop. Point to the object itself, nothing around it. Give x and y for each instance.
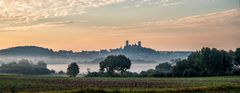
(127, 47)
(138, 44)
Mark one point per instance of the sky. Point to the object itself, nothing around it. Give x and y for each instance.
(167, 25)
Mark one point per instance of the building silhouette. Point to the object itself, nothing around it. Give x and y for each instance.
(138, 44)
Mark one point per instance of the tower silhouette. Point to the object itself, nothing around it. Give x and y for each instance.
(127, 43)
(139, 43)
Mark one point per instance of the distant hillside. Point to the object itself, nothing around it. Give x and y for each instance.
(26, 51)
(135, 52)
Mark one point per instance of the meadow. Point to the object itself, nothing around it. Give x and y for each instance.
(46, 84)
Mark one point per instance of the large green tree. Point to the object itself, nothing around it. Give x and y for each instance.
(115, 63)
(72, 70)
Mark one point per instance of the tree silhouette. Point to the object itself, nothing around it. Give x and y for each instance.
(207, 62)
(115, 63)
(42, 64)
(72, 70)
(163, 67)
(237, 56)
(25, 66)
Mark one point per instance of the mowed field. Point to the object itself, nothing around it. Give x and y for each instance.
(43, 84)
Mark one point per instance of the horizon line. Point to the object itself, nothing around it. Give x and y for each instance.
(57, 50)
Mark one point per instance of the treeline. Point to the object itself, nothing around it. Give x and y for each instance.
(209, 62)
(206, 62)
(25, 66)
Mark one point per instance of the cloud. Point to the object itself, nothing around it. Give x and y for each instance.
(228, 17)
(24, 11)
(162, 2)
(42, 25)
(171, 4)
(140, 3)
(217, 19)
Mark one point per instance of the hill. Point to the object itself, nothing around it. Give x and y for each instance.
(135, 52)
(26, 51)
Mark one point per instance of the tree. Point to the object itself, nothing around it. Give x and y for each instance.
(61, 72)
(42, 64)
(148, 73)
(180, 67)
(163, 67)
(204, 63)
(102, 66)
(115, 63)
(24, 62)
(72, 69)
(217, 62)
(237, 56)
(24, 66)
(52, 71)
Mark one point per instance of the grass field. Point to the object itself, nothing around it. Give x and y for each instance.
(29, 84)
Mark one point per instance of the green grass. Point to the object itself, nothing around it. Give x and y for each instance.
(26, 84)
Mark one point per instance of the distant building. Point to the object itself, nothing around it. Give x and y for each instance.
(138, 44)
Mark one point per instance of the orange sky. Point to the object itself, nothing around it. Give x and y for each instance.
(86, 39)
(159, 24)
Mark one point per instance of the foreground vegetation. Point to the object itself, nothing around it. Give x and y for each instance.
(110, 79)
(205, 62)
(26, 67)
(25, 84)
(202, 63)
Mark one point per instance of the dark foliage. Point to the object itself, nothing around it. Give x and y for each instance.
(72, 70)
(163, 67)
(237, 56)
(25, 66)
(207, 62)
(61, 72)
(114, 63)
(161, 70)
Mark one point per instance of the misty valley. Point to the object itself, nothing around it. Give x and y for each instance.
(142, 58)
